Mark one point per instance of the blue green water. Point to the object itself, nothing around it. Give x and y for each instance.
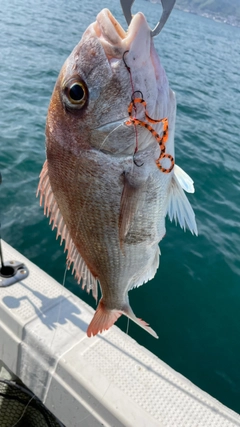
(194, 301)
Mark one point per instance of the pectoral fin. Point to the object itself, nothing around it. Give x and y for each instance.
(130, 203)
(179, 208)
(184, 179)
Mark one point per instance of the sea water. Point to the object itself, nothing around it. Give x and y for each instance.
(193, 303)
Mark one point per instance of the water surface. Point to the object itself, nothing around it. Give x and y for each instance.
(194, 301)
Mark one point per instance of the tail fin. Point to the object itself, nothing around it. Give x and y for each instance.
(103, 319)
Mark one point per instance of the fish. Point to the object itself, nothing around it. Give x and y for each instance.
(110, 178)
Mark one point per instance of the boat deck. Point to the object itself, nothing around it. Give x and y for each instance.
(107, 380)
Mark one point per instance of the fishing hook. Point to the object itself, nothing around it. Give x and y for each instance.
(136, 91)
(134, 161)
(167, 6)
(127, 67)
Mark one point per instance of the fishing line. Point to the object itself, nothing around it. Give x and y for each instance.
(64, 277)
(116, 369)
(128, 320)
(78, 226)
(95, 179)
(24, 411)
(81, 213)
(60, 306)
(110, 133)
(54, 334)
(134, 121)
(89, 188)
(127, 330)
(1, 253)
(133, 91)
(2, 267)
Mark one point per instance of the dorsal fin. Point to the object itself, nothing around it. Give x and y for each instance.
(51, 209)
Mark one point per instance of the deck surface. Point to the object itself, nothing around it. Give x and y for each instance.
(108, 380)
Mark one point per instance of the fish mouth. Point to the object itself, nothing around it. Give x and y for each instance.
(108, 28)
(115, 40)
(140, 61)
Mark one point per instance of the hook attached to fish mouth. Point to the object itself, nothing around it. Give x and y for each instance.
(167, 6)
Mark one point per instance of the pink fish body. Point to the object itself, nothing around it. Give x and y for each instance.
(107, 203)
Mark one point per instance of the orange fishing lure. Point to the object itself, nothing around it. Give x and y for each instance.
(160, 139)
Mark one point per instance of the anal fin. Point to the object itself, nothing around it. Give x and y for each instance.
(129, 313)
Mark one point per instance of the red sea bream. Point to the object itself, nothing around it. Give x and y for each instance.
(108, 183)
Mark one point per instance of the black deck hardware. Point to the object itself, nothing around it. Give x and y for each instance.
(10, 271)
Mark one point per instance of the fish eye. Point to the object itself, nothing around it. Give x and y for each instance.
(77, 93)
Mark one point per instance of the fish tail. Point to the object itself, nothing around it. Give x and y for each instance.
(102, 320)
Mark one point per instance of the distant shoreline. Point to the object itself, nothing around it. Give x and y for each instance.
(230, 20)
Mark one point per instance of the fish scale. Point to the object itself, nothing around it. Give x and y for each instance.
(108, 199)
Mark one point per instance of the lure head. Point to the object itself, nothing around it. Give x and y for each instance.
(94, 89)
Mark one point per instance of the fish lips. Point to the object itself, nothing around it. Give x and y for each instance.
(115, 41)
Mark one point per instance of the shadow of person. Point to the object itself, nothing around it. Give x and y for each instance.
(65, 310)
